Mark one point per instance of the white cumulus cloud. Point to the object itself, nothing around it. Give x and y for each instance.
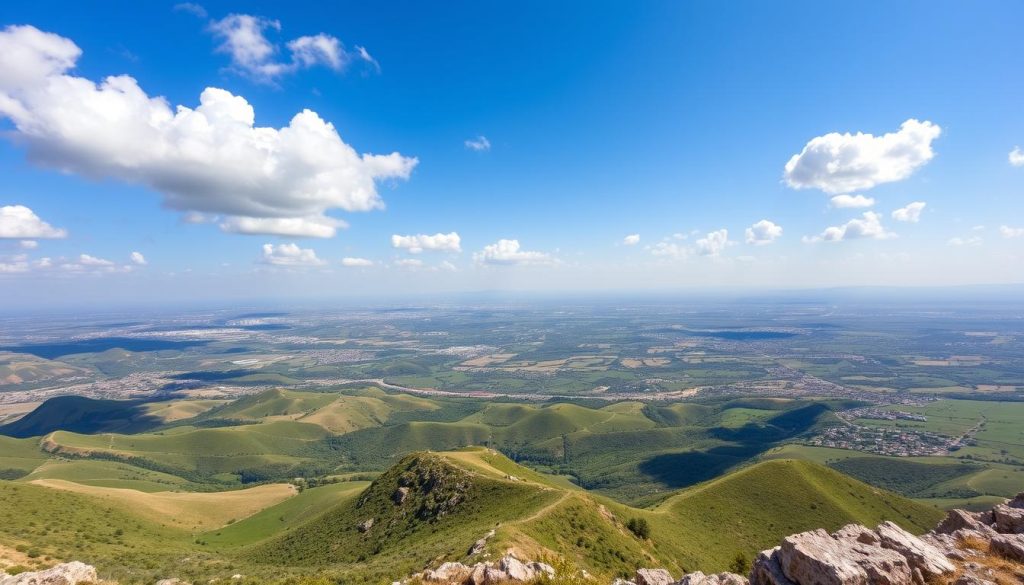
(1016, 157)
(289, 255)
(714, 243)
(409, 263)
(479, 144)
(210, 159)
(356, 262)
(910, 213)
(243, 38)
(841, 163)
(415, 244)
(851, 201)
(763, 232)
(631, 239)
(28, 244)
(869, 225)
(20, 222)
(1011, 232)
(509, 252)
(138, 259)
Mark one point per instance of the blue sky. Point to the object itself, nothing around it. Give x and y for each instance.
(672, 121)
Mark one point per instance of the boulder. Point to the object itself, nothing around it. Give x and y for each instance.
(922, 556)
(767, 570)
(957, 520)
(63, 574)
(447, 573)
(1017, 501)
(365, 525)
(479, 545)
(653, 577)
(816, 557)
(400, 495)
(1009, 519)
(1010, 546)
(515, 569)
(172, 581)
(620, 581)
(543, 569)
(699, 578)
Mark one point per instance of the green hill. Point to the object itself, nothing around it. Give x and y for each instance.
(454, 498)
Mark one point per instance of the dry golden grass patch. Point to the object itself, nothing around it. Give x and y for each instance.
(190, 510)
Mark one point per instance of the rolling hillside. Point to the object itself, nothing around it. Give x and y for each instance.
(433, 506)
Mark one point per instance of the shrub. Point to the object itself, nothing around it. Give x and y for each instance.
(740, 564)
(640, 527)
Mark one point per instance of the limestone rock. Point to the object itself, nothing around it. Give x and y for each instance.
(921, 555)
(478, 546)
(64, 574)
(767, 570)
(365, 525)
(957, 520)
(400, 495)
(447, 573)
(699, 578)
(1010, 546)
(172, 581)
(1009, 519)
(1017, 501)
(653, 577)
(620, 581)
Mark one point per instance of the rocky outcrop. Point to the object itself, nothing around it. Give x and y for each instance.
(699, 578)
(853, 555)
(1009, 546)
(962, 545)
(64, 574)
(653, 577)
(508, 569)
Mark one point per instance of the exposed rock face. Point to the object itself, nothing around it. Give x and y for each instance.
(1010, 546)
(172, 581)
(508, 569)
(63, 574)
(653, 577)
(1009, 519)
(853, 555)
(479, 545)
(699, 578)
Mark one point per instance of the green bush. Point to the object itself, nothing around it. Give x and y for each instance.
(640, 527)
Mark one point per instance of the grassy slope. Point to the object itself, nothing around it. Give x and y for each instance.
(18, 457)
(753, 508)
(292, 512)
(184, 510)
(701, 528)
(65, 526)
